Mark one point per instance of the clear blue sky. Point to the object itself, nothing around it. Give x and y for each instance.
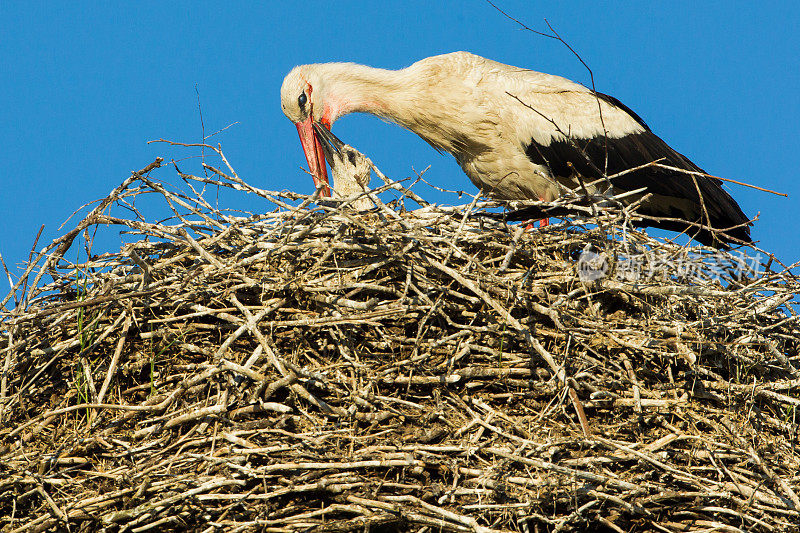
(84, 85)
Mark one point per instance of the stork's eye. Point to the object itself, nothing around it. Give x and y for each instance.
(301, 100)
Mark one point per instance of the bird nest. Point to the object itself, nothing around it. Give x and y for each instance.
(429, 369)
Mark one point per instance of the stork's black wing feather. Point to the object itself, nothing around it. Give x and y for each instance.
(675, 194)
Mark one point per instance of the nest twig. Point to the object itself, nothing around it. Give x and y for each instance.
(319, 369)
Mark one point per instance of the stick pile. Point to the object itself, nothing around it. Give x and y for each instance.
(321, 369)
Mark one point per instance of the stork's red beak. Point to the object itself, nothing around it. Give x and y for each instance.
(314, 155)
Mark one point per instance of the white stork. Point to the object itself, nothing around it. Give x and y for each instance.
(516, 133)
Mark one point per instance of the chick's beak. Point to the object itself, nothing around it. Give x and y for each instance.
(331, 144)
(315, 155)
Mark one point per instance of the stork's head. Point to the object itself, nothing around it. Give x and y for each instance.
(302, 101)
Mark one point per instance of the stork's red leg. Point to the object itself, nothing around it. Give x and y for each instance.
(543, 222)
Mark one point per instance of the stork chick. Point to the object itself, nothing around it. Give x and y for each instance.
(352, 170)
(518, 134)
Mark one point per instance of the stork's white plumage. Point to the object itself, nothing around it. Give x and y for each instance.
(516, 133)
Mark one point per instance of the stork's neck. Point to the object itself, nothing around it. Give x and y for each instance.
(404, 97)
(351, 88)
